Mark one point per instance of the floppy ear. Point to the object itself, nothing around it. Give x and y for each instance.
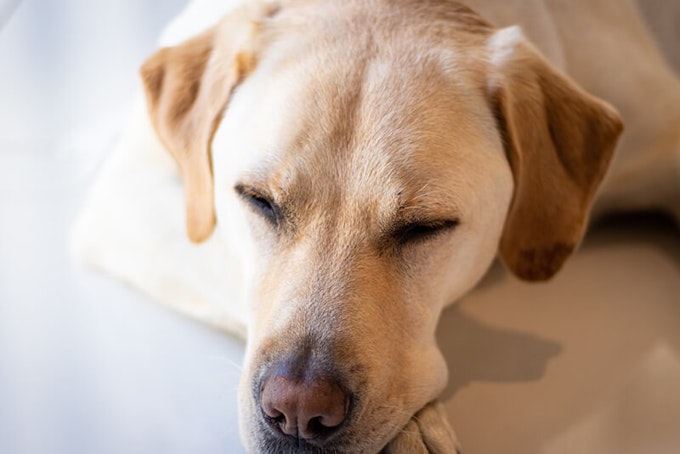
(187, 89)
(558, 141)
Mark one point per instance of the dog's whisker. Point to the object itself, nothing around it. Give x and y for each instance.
(227, 360)
(234, 364)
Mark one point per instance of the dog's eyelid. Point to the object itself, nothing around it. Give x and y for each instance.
(418, 230)
(261, 201)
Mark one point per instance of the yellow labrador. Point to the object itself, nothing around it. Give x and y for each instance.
(369, 159)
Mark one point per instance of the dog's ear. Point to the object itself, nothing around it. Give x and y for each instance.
(187, 89)
(558, 141)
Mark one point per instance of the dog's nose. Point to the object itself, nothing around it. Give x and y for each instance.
(304, 408)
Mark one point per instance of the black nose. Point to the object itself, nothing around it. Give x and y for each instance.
(306, 407)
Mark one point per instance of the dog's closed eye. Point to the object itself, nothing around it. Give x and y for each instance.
(261, 203)
(419, 231)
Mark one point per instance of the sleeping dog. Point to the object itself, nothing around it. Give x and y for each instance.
(366, 161)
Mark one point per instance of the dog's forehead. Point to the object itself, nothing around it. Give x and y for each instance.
(359, 119)
(367, 117)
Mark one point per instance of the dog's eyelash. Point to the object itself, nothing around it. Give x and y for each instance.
(261, 203)
(418, 231)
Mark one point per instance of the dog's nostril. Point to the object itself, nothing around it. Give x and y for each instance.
(317, 426)
(306, 409)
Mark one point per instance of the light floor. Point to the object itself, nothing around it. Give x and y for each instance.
(589, 363)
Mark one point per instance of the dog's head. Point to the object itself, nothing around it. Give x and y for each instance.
(367, 160)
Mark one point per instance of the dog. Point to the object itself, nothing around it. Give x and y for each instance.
(366, 161)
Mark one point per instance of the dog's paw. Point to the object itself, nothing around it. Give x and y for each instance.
(428, 432)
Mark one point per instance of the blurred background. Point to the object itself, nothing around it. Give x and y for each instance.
(588, 363)
(86, 364)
